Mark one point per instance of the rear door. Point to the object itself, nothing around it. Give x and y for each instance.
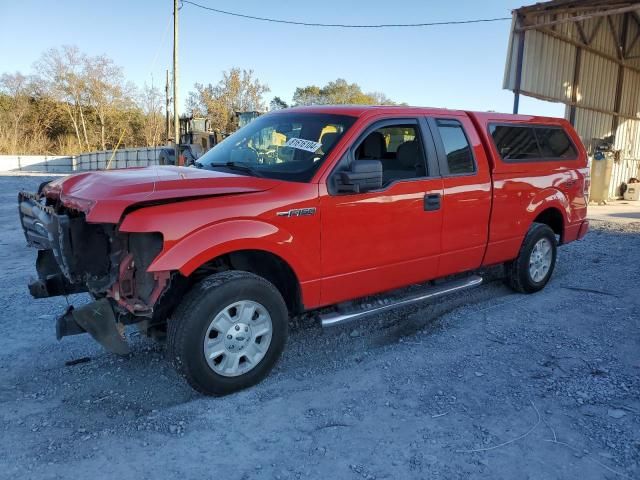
(466, 204)
(387, 238)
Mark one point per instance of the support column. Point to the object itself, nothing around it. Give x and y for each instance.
(574, 86)
(516, 90)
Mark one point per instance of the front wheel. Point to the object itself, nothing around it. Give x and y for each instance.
(228, 332)
(533, 267)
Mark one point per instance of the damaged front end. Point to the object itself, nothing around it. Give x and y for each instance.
(75, 256)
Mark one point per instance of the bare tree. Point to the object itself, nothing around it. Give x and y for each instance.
(106, 91)
(75, 103)
(18, 90)
(238, 91)
(150, 101)
(381, 99)
(63, 72)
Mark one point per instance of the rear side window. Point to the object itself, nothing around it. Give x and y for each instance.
(529, 143)
(456, 147)
(554, 143)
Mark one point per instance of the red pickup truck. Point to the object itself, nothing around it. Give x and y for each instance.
(301, 209)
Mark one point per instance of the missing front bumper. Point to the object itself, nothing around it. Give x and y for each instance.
(98, 320)
(76, 256)
(73, 255)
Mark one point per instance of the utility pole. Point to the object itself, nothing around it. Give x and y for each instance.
(167, 124)
(176, 118)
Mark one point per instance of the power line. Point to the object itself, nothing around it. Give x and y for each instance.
(152, 65)
(345, 25)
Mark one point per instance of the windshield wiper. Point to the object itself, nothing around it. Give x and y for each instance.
(239, 167)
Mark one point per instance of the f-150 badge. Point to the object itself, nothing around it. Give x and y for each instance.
(298, 212)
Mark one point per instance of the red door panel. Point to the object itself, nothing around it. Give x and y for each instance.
(466, 209)
(377, 241)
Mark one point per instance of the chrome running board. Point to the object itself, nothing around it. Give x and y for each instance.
(338, 318)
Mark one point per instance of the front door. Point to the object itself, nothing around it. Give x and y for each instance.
(390, 237)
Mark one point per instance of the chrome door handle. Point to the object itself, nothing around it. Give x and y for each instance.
(431, 202)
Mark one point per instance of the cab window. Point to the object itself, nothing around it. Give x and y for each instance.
(399, 149)
(456, 147)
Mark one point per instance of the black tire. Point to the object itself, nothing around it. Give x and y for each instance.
(518, 276)
(190, 323)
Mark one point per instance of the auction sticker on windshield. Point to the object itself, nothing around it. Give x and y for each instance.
(302, 144)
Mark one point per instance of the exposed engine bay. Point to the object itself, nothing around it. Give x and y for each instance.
(75, 256)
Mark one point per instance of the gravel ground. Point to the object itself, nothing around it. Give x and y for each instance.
(485, 384)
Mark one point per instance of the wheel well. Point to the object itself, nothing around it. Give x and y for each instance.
(264, 264)
(553, 218)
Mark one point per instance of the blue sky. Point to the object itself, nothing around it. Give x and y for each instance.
(458, 66)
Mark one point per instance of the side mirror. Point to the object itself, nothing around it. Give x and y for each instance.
(364, 175)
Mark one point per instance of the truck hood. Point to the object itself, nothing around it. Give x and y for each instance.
(103, 196)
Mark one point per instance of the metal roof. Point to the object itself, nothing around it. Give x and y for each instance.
(552, 35)
(585, 54)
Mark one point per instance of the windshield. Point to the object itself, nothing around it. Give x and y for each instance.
(287, 146)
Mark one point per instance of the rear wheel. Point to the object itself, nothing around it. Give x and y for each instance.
(228, 332)
(533, 267)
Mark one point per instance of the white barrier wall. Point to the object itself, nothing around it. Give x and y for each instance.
(36, 163)
(131, 157)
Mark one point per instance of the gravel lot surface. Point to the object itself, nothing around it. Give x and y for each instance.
(484, 384)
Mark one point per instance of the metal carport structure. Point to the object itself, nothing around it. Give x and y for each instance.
(585, 54)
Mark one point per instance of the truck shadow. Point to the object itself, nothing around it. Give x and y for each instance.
(625, 215)
(103, 389)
